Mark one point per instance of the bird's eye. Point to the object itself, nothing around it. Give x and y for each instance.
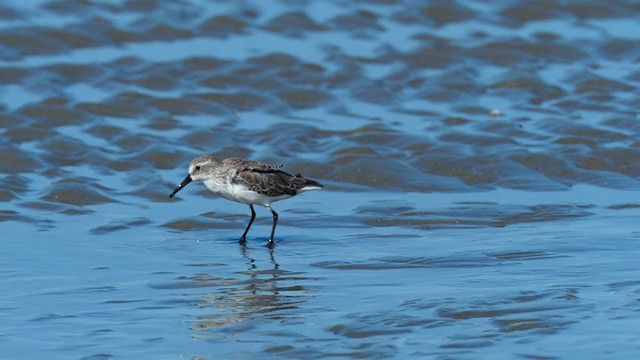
(197, 167)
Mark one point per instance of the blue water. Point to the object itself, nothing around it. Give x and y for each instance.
(347, 289)
(444, 232)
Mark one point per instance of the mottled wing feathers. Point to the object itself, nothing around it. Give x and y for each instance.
(244, 164)
(267, 179)
(272, 182)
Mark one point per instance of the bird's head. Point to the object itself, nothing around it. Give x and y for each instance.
(199, 169)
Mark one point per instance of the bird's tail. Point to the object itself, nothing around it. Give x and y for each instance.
(304, 184)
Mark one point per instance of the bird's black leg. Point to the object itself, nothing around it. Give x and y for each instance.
(243, 239)
(273, 229)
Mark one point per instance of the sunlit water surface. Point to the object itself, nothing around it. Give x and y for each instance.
(444, 231)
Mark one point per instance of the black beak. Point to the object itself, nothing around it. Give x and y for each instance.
(182, 184)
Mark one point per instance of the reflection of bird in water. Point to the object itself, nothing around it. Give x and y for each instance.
(247, 182)
(259, 293)
(253, 271)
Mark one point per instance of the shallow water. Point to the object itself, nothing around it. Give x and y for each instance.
(481, 164)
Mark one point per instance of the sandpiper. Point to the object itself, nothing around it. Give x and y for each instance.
(248, 182)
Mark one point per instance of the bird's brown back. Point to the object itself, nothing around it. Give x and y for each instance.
(267, 179)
